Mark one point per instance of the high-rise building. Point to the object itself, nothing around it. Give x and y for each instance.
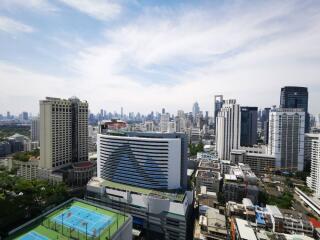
(228, 129)
(296, 97)
(145, 174)
(286, 138)
(63, 132)
(218, 102)
(164, 121)
(313, 181)
(35, 129)
(24, 116)
(195, 110)
(148, 160)
(265, 124)
(308, 139)
(249, 120)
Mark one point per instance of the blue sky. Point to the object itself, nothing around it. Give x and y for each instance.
(145, 55)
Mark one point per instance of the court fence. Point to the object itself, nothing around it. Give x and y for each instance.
(104, 233)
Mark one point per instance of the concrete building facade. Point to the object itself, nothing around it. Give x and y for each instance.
(228, 125)
(286, 138)
(313, 181)
(63, 132)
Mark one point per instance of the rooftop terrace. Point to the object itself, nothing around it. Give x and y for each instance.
(173, 195)
(74, 219)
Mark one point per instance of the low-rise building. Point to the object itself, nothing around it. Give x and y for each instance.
(240, 183)
(206, 198)
(242, 230)
(296, 223)
(27, 169)
(212, 180)
(212, 225)
(259, 163)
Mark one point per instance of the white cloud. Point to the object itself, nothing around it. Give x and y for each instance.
(99, 9)
(242, 53)
(240, 56)
(22, 89)
(40, 5)
(12, 26)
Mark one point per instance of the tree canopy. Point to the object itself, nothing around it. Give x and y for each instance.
(21, 200)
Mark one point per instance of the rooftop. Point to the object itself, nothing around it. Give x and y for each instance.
(209, 164)
(50, 226)
(173, 195)
(245, 230)
(207, 174)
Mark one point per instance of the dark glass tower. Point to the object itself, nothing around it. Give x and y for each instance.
(296, 97)
(249, 119)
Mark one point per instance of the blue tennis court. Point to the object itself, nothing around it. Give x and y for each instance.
(33, 236)
(80, 219)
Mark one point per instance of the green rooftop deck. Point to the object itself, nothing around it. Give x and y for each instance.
(173, 195)
(46, 228)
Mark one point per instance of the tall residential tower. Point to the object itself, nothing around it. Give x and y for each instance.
(63, 132)
(228, 129)
(286, 138)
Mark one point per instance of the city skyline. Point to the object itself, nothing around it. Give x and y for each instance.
(143, 56)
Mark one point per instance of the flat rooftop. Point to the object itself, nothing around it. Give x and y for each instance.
(245, 230)
(74, 219)
(207, 174)
(209, 164)
(173, 195)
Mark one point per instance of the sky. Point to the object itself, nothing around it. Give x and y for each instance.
(146, 55)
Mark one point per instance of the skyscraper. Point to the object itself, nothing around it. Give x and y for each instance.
(164, 120)
(63, 132)
(313, 181)
(228, 129)
(35, 129)
(308, 139)
(218, 102)
(296, 97)
(286, 138)
(249, 120)
(24, 116)
(195, 110)
(265, 124)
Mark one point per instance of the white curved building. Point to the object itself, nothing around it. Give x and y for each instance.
(143, 161)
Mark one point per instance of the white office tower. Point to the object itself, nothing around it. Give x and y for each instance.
(181, 124)
(286, 138)
(63, 132)
(181, 121)
(164, 120)
(228, 129)
(313, 181)
(35, 129)
(148, 162)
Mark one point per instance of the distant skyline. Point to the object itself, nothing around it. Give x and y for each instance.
(146, 55)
